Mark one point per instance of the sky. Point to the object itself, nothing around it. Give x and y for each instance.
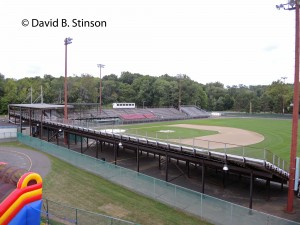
(233, 42)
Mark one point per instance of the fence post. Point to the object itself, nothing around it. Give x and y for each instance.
(201, 205)
(175, 196)
(76, 222)
(231, 213)
(47, 212)
(154, 188)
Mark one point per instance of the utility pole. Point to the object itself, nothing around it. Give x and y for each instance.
(293, 5)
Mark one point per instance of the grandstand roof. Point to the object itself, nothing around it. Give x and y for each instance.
(40, 106)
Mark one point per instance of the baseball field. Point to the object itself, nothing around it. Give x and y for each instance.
(105, 197)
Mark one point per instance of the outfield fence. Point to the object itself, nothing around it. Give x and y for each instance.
(206, 207)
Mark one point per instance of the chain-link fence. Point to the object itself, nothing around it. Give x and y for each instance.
(54, 213)
(7, 134)
(208, 208)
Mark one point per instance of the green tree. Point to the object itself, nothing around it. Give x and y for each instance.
(143, 87)
(281, 95)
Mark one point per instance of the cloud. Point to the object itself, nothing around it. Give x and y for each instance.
(270, 48)
(33, 70)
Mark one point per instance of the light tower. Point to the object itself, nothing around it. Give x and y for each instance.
(292, 5)
(67, 42)
(100, 90)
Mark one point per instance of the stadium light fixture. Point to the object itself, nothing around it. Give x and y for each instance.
(291, 5)
(225, 167)
(100, 88)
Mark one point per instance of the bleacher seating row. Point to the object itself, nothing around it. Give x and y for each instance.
(194, 112)
(137, 116)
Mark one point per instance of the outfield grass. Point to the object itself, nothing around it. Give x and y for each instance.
(166, 132)
(277, 132)
(72, 186)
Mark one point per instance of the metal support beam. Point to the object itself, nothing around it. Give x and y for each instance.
(203, 178)
(57, 139)
(97, 148)
(41, 125)
(81, 149)
(268, 189)
(167, 166)
(159, 163)
(115, 153)
(137, 159)
(21, 120)
(224, 179)
(30, 123)
(251, 190)
(188, 168)
(68, 140)
(15, 116)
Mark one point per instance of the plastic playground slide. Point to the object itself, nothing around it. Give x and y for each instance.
(20, 196)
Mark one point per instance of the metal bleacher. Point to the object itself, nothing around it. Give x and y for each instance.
(194, 111)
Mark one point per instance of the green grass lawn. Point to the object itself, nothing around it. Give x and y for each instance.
(277, 132)
(72, 186)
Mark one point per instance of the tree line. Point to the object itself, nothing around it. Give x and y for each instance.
(148, 91)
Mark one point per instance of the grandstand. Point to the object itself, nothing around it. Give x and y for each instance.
(194, 111)
(142, 114)
(90, 111)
